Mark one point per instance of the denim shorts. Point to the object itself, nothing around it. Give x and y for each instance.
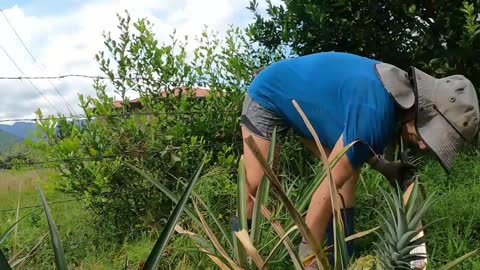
(261, 121)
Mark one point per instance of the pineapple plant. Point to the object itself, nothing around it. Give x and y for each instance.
(399, 237)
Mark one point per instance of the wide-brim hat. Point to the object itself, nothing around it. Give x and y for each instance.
(446, 109)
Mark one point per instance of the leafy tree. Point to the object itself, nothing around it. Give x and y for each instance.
(441, 36)
(168, 135)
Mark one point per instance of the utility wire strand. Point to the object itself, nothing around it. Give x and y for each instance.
(33, 85)
(58, 77)
(106, 157)
(81, 116)
(106, 194)
(70, 109)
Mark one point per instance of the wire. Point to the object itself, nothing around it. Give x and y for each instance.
(81, 116)
(39, 205)
(129, 232)
(34, 86)
(58, 77)
(69, 108)
(106, 194)
(106, 157)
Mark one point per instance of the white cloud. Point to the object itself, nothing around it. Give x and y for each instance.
(67, 42)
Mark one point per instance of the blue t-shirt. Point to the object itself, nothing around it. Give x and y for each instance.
(340, 93)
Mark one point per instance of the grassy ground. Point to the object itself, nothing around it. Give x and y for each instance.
(88, 247)
(82, 242)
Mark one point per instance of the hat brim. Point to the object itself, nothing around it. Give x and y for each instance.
(397, 84)
(442, 139)
(437, 133)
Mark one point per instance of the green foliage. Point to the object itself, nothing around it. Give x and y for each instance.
(19, 155)
(7, 140)
(60, 261)
(439, 36)
(168, 134)
(155, 256)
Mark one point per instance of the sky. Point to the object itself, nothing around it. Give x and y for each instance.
(63, 37)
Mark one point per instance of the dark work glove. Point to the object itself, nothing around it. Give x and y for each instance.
(397, 172)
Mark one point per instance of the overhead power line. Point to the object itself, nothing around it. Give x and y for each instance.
(107, 157)
(69, 108)
(21, 71)
(55, 77)
(81, 116)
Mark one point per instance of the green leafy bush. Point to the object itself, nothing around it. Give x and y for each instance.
(168, 134)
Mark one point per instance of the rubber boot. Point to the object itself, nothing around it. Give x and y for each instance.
(306, 252)
(236, 224)
(348, 215)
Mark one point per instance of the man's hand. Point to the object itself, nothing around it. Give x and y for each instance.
(397, 172)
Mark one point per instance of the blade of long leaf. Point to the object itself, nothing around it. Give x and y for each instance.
(242, 195)
(457, 261)
(241, 253)
(10, 229)
(356, 236)
(187, 209)
(153, 259)
(278, 244)
(340, 247)
(281, 232)
(199, 240)
(410, 200)
(361, 234)
(226, 235)
(14, 258)
(218, 261)
(307, 195)
(164, 190)
(304, 230)
(17, 216)
(214, 239)
(262, 193)
(215, 259)
(60, 261)
(251, 250)
(428, 203)
(3, 262)
(30, 253)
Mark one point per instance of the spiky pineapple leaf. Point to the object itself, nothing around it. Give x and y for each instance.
(153, 260)
(261, 196)
(60, 260)
(411, 201)
(396, 242)
(423, 209)
(240, 251)
(4, 262)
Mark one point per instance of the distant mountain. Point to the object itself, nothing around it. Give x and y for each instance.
(7, 140)
(19, 129)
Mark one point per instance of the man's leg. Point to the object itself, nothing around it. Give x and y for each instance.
(259, 123)
(253, 169)
(347, 193)
(348, 190)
